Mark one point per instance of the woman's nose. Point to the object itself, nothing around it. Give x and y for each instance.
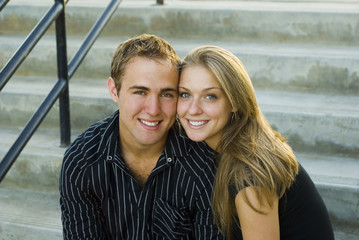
(195, 107)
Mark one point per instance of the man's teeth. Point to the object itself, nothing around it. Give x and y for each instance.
(197, 123)
(150, 124)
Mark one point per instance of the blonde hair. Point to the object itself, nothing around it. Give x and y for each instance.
(251, 152)
(145, 45)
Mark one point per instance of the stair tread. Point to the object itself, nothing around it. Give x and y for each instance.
(323, 167)
(182, 46)
(319, 121)
(41, 210)
(30, 209)
(36, 201)
(301, 6)
(286, 101)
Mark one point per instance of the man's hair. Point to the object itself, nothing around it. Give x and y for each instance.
(145, 45)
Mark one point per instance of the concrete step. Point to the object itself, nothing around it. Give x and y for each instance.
(39, 216)
(29, 214)
(244, 21)
(89, 103)
(303, 58)
(337, 180)
(38, 166)
(270, 65)
(320, 122)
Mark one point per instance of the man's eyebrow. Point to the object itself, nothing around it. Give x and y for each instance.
(148, 89)
(138, 88)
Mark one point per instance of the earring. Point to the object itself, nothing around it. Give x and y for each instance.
(233, 117)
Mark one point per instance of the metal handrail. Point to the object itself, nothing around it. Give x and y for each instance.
(35, 35)
(3, 4)
(65, 72)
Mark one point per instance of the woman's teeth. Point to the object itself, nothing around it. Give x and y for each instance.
(197, 123)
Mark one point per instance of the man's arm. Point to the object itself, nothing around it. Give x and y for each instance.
(80, 208)
(80, 218)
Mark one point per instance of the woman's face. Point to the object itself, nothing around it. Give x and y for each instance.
(203, 108)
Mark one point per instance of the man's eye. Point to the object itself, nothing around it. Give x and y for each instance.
(167, 95)
(184, 95)
(139, 93)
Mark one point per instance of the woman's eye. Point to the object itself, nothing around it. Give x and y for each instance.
(211, 97)
(184, 95)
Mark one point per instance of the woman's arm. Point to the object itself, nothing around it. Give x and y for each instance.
(254, 225)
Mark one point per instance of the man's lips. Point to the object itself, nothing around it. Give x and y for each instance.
(150, 123)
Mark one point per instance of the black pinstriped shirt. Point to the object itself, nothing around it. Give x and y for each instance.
(100, 199)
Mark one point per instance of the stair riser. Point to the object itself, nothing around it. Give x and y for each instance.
(342, 205)
(295, 26)
(320, 73)
(11, 231)
(83, 111)
(33, 170)
(321, 133)
(305, 131)
(345, 197)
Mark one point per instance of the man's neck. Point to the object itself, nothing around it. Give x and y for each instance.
(141, 160)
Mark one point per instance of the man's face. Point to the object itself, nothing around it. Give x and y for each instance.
(147, 101)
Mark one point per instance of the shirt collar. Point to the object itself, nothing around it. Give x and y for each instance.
(177, 144)
(109, 138)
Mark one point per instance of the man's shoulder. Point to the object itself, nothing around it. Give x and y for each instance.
(94, 139)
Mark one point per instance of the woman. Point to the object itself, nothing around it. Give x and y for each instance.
(261, 191)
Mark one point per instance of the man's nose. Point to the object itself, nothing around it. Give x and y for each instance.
(153, 105)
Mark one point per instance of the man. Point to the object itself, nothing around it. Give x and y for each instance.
(132, 176)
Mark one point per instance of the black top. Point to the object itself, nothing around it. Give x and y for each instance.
(302, 213)
(100, 199)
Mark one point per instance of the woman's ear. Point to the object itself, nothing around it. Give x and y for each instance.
(112, 89)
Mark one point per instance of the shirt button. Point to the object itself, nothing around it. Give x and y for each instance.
(169, 160)
(109, 158)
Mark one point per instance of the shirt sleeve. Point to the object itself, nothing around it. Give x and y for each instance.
(80, 209)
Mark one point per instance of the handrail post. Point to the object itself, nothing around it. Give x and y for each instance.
(62, 72)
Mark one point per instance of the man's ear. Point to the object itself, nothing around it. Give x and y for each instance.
(112, 89)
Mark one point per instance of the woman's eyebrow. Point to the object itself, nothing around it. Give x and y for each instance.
(168, 90)
(203, 90)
